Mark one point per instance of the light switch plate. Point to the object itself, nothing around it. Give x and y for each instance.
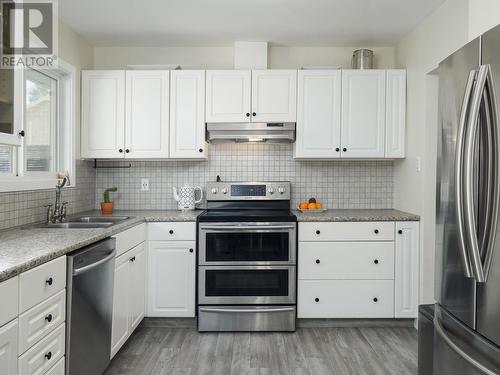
(145, 184)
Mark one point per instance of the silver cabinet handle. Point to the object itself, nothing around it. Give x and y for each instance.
(246, 227)
(459, 155)
(479, 366)
(272, 310)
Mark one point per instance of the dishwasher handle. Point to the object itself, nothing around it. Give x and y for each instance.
(79, 271)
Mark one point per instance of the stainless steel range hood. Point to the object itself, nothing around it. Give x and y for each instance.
(251, 132)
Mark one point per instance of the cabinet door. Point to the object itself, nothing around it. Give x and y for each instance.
(187, 114)
(146, 120)
(318, 114)
(121, 296)
(172, 268)
(138, 267)
(274, 95)
(8, 349)
(363, 113)
(228, 96)
(395, 113)
(103, 113)
(406, 269)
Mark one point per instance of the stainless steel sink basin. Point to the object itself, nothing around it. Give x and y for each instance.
(99, 219)
(77, 225)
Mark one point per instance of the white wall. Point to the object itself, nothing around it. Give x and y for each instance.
(483, 15)
(443, 32)
(75, 50)
(223, 57)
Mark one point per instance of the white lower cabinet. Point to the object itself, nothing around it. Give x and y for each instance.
(45, 354)
(172, 274)
(8, 348)
(358, 270)
(129, 295)
(346, 298)
(57, 369)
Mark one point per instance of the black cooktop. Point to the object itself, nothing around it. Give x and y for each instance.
(247, 215)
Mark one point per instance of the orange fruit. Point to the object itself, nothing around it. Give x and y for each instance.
(319, 206)
(312, 206)
(303, 205)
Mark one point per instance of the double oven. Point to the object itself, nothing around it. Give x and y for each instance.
(247, 259)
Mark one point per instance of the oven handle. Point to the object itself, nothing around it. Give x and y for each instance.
(273, 310)
(246, 227)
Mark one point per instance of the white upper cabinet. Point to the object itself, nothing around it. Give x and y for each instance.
(228, 95)
(318, 114)
(395, 113)
(363, 113)
(274, 95)
(187, 114)
(103, 113)
(146, 119)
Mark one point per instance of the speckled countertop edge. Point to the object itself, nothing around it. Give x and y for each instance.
(27, 247)
(357, 215)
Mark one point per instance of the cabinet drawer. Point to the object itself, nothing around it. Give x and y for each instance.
(130, 238)
(345, 299)
(347, 231)
(346, 260)
(42, 282)
(175, 231)
(43, 355)
(58, 368)
(9, 295)
(37, 322)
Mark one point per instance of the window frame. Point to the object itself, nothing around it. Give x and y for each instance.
(19, 180)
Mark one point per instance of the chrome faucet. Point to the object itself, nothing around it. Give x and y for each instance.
(57, 213)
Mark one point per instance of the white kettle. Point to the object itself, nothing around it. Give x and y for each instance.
(186, 197)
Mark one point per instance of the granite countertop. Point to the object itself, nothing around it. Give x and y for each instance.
(358, 215)
(26, 247)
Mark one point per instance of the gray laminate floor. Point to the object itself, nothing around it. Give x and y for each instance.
(311, 351)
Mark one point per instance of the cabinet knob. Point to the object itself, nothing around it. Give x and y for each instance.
(254, 114)
(49, 281)
(127, 150)
(316, 299)
(132, 259)
(48, 318)
(344, 149)
(200, 150)
(400, 231)
(337, 149)
(318, 261)
(375, 261)
(318, 232)
(48, 356)
(191, 250)
(120, 150)
(375, 299)
(248, 114)
(171, 231)
(376, 231)
(22, 133)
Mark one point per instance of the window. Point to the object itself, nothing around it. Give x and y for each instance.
(36, 127)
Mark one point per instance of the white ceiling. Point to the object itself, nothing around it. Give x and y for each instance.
(220, 22)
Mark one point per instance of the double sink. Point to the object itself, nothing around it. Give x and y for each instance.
(87, 222)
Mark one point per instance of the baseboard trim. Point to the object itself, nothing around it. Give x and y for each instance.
(169, 322)
(354, 323)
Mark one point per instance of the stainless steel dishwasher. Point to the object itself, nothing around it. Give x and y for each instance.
(89, 308)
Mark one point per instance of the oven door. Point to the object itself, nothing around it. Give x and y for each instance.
(246, 285)
(247, 243)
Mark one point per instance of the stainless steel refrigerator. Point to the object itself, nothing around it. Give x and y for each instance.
(467, 317)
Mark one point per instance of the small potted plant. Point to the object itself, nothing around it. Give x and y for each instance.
(107, 204)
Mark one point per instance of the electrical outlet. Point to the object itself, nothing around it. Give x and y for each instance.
(418, 165)
(145, 184)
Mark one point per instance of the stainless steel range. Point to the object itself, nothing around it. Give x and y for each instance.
(247, 242)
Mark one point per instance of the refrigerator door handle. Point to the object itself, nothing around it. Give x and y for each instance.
(479, 366)
(459, 160)
(492, 196)
(468, 178)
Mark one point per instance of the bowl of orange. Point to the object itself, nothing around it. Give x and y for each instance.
(311, 206)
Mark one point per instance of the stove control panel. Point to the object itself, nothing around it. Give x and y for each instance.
(233, 191)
